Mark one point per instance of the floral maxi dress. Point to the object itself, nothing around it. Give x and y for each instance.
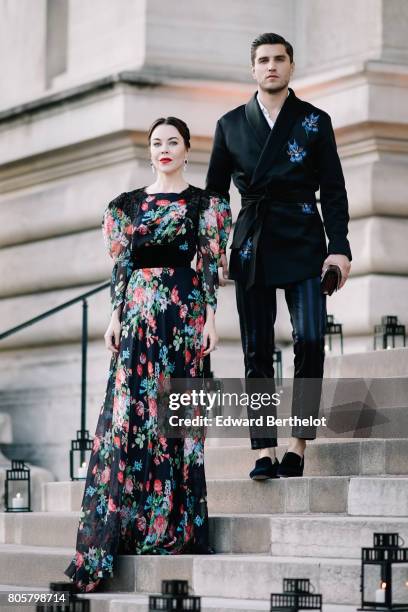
(146, 493)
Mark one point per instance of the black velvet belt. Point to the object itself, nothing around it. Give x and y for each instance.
(160, 257)
(254, 209)
(275, 195)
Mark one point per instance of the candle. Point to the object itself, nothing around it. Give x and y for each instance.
(380, 594)
(18, 502)
(83, 470)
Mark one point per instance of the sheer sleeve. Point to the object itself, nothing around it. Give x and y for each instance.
(224, 222)
(117, 232)
(208, 251)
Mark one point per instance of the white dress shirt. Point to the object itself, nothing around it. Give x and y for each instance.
(265, 111)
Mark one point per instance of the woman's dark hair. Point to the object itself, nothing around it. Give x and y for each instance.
(270, 39)
(179, 124)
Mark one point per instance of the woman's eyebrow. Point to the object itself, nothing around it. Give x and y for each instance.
(159, 139)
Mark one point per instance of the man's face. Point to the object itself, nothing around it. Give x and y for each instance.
(272, 69)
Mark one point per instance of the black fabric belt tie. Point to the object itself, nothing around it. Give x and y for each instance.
(160, 257)
(254, 209)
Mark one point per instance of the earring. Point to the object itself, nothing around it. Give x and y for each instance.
(185, 162)
(152, 167)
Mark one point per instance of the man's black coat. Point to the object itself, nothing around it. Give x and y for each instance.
(279, 236)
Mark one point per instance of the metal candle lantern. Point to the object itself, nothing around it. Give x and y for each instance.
(297, 595)
(389, 328)
(377, 592)
(77, 464)
(64, 599)
(174, 597)
(333, 329)
(277, 365)
(18, 487)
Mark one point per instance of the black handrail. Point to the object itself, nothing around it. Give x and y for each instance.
(52, 311)
(84, 342)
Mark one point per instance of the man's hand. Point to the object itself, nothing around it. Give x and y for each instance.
(223, 275)
(338, 260)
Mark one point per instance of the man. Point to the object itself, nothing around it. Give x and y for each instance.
(280, 150)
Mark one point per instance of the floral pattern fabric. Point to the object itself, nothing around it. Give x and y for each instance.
(146, 493)
(310, 123)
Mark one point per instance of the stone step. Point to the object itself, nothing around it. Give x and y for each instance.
(132, 602)
(358, 496)
(356, 457)
(239, 496)
(238, 534)
(329, 536)
(213, 604)
(307, 494)
(247, 576)
(33, 565)
(279, 535)
(385, 496)
(39, 528)
(369, 364)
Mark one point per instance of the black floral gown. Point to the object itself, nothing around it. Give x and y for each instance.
(145, 493)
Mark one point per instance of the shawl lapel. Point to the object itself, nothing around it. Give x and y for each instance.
(279, 134)
(257, 121)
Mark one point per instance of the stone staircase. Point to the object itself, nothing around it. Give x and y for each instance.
(310, 527)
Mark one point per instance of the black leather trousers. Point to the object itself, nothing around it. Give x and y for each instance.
(257, 314)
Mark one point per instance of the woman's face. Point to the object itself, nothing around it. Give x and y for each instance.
(167, 149)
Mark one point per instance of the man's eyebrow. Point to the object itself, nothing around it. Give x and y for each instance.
(279, 56)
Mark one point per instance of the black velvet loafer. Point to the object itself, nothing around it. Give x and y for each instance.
(291, 465)
(264, 468)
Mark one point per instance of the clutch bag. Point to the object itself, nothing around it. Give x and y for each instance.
(331, 279)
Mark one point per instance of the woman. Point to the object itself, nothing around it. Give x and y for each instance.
(146, 493)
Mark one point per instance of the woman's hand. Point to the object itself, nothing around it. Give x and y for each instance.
(210, 338)
(112, 334)
(223, 271)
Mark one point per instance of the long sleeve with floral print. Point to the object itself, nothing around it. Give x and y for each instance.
(117, 231)
(224, 222)
(213, 230)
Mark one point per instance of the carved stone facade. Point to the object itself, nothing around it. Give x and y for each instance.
(81, 83)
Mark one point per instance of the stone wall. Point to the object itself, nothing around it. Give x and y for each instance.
(83, 82)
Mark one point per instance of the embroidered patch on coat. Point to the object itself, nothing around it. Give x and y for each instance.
(310, 123)
(308, 209)
(295, 152)
(245, 251)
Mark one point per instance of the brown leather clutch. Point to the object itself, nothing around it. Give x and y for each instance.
(331, 279)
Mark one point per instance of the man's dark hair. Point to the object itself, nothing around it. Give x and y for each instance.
(270, 39)
(179, 124)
